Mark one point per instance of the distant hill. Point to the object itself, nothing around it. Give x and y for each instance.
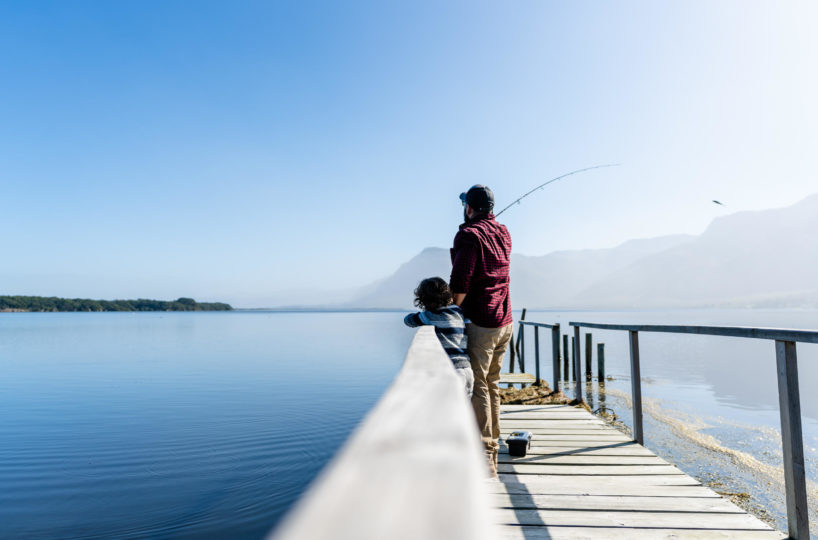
(42, 303)
(395, 291)
(749, 259)
(549, 280)
(766, 258)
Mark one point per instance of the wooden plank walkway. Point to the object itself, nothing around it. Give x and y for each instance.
(525, 378)
(584, 479)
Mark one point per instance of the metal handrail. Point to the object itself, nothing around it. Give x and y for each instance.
(788, 398)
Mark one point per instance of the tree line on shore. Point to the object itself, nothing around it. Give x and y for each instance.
(52, 303)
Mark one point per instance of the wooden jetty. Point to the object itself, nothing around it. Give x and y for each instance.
(415, 468)
(584, 479)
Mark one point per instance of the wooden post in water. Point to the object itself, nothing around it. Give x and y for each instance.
(789, 404)
(537, 354)
(521, 343)
(573, 363)
(589, 349)
(555, 356)
(565, 372)
(577, 367)
(600, 363)
(512, 346)
(636, 388)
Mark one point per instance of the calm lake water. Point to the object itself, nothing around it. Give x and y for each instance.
(209, 425)
(178, 425)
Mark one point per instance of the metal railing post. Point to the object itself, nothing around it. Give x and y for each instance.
(636, 388)
(577, 366)
(555, 355)
(789, 404)
(537, 353)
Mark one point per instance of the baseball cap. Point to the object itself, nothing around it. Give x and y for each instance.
(479, 197)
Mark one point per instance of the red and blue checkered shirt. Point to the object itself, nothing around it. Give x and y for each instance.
(480, 268)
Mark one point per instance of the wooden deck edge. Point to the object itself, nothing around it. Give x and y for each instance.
(413, 469)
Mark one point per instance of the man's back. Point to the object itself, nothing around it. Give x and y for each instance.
(480, 268)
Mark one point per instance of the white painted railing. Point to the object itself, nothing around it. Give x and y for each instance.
(414, 469)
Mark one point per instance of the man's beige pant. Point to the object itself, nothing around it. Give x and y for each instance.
(487, 347)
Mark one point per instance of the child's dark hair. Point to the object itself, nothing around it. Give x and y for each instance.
(433, 293)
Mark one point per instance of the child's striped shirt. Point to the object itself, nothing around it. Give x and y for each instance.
(450, 327)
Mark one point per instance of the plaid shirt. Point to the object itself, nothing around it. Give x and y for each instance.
(480, 264)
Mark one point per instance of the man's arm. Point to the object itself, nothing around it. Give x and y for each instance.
(464, 261)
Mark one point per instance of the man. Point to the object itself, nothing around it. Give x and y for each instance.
(479, 284)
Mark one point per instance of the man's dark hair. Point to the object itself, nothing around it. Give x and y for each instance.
(432, 294)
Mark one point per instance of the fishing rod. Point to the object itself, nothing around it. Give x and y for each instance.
(517, 201)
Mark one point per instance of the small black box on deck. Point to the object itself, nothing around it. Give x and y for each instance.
(518, 442)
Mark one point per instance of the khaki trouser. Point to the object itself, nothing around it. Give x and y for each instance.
(487, 347)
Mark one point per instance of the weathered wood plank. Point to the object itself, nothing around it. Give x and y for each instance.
(588, 470)
(544, 414)
(583, 479)
(780, 334)
(595, 533)
(598, 481)
(517, 378)
(415, 467)
(544, 436)
(584, 451)
(544, 417)
(565, 487)
(654, 519)
(789, 406)
(589, 445)
(518, 406)
(556, 420)
(614, 503)
(583, 459)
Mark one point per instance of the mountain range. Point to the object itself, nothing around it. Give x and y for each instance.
(765, 258)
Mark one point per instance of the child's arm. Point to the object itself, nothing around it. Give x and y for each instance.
(412, 320)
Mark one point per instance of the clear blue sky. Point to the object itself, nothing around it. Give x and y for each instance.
(245, 150)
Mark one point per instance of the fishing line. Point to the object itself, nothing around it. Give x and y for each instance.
(541, 186)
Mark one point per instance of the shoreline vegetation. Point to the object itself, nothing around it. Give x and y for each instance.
(53, 304)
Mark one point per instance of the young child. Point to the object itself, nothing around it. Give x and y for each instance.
(435, 299)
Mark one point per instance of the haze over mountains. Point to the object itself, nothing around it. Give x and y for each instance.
(763, 258)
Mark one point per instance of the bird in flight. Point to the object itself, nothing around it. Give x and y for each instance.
(719, 203)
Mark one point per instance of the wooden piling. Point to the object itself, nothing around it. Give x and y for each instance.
(566, 373)
(789, 403)
(600, 362)
(520, 346)
(588, 355)
(577, 366)
(555, 356)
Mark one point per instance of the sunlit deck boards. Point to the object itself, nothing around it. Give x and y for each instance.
(584, 479)
(515, 378)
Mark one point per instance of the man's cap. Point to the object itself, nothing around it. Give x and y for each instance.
(479, 197)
